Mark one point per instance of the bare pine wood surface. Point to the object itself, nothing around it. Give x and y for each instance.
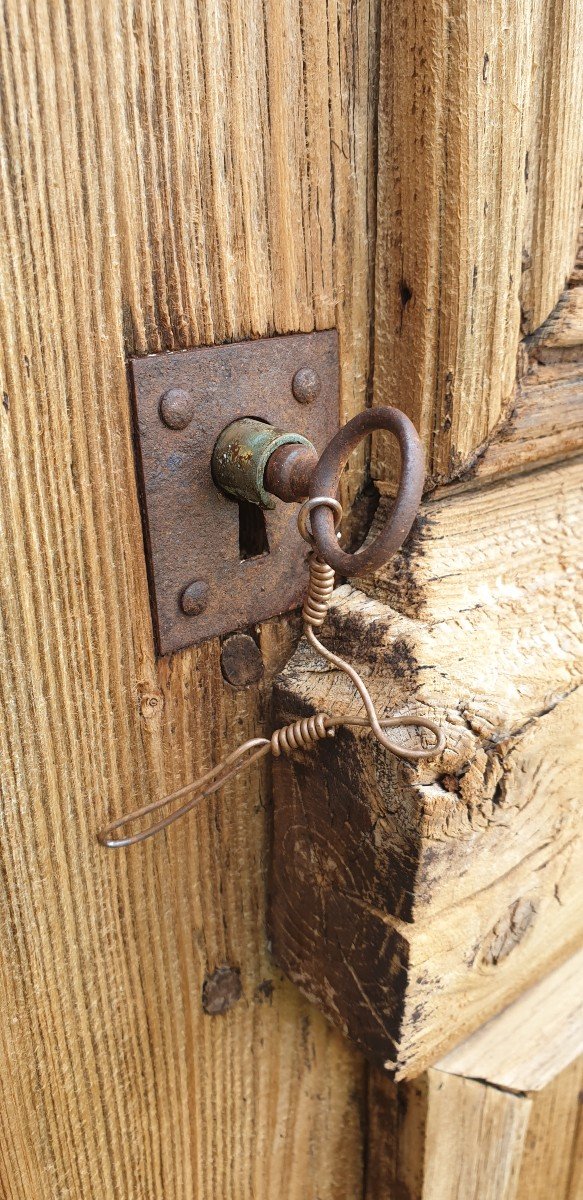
(545, 421)
(553, 162)
(532, 1041)
(414, 901)
(170, 176)
(499, 1118)
(480, 142)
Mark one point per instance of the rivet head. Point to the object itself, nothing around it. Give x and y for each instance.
(176, 408)
(306, 385)
(194, 598)
(241, 660)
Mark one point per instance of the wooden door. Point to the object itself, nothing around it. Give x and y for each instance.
(175, 175)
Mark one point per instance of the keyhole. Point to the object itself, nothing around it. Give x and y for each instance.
(253, 539)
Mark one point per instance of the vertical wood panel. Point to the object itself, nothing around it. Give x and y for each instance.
(554, 158)
(551, 1164)
(171, 174)
(499, 1118)
(480, 143)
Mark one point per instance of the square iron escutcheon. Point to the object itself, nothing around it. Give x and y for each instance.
(216, 564)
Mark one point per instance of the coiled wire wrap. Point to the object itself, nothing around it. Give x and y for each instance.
(302, 734)
(319, 592)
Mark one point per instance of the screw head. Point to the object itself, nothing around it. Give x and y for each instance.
(194, 598)
(306, 385)
(176, 408)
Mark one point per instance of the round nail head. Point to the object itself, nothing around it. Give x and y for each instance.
(306, 385)
(241, 660)
(176, 408)
(194, 598)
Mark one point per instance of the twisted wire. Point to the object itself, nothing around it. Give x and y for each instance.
(318, 596)
(298, 735)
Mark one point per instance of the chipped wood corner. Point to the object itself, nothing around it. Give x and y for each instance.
(414, 902)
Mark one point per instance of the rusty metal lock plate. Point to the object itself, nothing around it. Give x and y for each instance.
(213, 566)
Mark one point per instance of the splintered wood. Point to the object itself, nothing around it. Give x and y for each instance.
(414, 902)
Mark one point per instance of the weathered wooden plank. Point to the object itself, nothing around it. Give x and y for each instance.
(499, 1117)
(413, 902)
(551, 1161)
(509, 535)
(535, 1039)
(445, 1136)
(170, 175)
(484, 1161)
(553, 160)
(545, 423)
(480, 144)
(544, 427)
(564, 328)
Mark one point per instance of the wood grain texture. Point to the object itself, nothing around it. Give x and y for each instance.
(545, 421)
(413, 902)
(499, 1118)
(169, 176)
(564, 328)
(445, 1137)
(532, 1041)
(544, 427)
(552, 1157)
(553, 162)
(480, 144)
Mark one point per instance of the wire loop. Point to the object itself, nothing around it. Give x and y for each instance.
(208, 783)
(302, 734)
(308, 506)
